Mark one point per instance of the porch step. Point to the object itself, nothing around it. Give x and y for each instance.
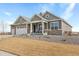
(36, 34)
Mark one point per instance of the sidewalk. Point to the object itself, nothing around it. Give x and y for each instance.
(2, 53)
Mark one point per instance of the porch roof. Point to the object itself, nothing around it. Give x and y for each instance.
(19, 24)
(38, 21)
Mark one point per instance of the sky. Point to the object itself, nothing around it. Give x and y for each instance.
(9, 12)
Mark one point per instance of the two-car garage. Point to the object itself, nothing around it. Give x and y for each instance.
(19, 27)
(19, 30)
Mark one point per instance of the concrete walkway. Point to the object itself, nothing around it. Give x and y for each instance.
(2, 53)
(5, 36)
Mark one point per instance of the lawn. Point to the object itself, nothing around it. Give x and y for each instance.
(27, 46)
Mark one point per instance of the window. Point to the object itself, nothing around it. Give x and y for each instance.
(55, 25)
(47, 15)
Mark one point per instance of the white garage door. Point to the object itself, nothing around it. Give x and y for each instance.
(20, 31)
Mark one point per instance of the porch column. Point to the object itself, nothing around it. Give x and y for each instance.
(42, 27)
(47, 26)
(30, 28)
(26, 28)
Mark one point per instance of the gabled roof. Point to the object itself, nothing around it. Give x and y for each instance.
(21, 20)
(51, 16)
(37, 18)
(57, 17)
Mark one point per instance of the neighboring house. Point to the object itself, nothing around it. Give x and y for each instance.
(45, 24)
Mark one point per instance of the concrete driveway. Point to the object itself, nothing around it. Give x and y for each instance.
(3, 53)
(5, 36)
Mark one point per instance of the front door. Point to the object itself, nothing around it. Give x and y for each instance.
(34, 28)
(37, 28)
(40, 28)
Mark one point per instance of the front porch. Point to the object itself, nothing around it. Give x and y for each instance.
(38, 28)
(46, 28)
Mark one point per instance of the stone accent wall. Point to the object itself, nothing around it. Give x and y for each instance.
(54, 32)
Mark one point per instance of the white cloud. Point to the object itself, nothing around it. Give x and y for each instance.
(69, 11)
(76, 29)
(7, 13)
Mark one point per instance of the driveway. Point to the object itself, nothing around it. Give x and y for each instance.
(2, 53)
(5, 36)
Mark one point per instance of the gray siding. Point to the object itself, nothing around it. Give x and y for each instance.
(35, 18)
(66, 27)
(20, 20)
(50, 16)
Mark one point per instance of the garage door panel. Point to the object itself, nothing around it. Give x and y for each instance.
(20, 31)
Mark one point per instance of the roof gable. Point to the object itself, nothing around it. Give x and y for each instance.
(36, 18)
(21, 20)
(49, 16)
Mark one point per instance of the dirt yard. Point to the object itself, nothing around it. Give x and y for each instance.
(28, 46)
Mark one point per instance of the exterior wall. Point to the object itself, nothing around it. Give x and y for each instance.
(66, 28)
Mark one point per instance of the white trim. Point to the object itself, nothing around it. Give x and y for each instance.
(35, 21)
(30, 28)
(42, 27)
(53, 20)
(38, 21)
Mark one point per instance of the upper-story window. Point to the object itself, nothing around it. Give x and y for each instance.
(54, 25)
